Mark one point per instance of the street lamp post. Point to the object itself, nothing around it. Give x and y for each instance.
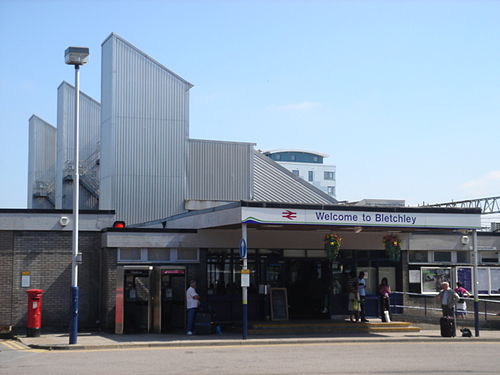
(75, 56)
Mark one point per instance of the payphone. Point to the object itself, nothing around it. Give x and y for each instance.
(133, 299)
(169, 301)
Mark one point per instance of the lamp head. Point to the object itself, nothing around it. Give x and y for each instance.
(76, 55)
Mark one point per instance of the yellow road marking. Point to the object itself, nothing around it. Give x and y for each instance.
(14, 345)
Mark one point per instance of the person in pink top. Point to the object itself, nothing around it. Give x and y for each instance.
(461, 307)
(384, 291)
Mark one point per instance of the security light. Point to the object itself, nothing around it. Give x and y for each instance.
(76, 55)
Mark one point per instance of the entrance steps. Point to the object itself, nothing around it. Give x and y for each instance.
(325, 326)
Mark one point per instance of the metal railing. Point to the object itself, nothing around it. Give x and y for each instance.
(429, 305)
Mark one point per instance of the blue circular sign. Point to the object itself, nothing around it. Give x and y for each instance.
(243, 248)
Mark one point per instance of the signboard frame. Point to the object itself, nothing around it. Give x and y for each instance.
(274, 298)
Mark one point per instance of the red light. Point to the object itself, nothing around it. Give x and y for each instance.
(119, 224)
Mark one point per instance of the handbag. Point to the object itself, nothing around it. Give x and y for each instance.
(386, 316)
(355, 305)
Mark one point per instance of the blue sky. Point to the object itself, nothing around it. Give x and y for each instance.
(403, 95)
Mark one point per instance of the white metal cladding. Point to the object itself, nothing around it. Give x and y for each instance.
(274, 183)
(41, 159)
(90, 124)
(219, 170)
(144, 134)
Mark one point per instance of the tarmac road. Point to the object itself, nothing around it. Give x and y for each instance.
(321, 358)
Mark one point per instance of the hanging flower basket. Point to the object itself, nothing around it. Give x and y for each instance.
(332, 245)
(392, 247)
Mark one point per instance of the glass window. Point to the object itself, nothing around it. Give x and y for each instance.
(488, 257)
(495, 280)
(442, 256)
(418, 257)
(219, 272)
(130, 254)
(483, 280)
(462, 257)
(187, 254)
(274, 272)
(329, 175)
(330, 190)
(310, 176)
(316, 253)
(157, 255)
(294, 253)
(295, 172)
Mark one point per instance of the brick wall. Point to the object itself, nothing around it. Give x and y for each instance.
(47, 256)
(108, 259)
(6, 264)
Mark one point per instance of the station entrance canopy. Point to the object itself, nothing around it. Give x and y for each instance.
(293, 215)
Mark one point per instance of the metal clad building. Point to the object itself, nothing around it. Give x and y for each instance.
(220, 170)
(144, 134)
(41, 163)
(90, 122)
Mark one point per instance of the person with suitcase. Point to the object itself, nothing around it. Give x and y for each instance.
(448, 299)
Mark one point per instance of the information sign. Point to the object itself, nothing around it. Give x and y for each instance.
(243, 248)
(245, 278)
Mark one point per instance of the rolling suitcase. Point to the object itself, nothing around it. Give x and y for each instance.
(447, 324)
(203, 324)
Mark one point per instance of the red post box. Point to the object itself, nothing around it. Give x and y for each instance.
(34, 312)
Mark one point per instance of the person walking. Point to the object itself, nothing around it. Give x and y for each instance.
(362, 296)
(384, 292)
(192, 303)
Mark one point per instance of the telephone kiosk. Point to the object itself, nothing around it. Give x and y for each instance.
(170, 310)
(137, 301)
(150, 299)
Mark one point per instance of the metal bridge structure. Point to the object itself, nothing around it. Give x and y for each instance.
(487, 205)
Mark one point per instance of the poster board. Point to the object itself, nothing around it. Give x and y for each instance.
(464, 275)
(494, 280)
(432, 277)
(279, 304)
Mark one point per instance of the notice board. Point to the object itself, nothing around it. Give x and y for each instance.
(279, 304)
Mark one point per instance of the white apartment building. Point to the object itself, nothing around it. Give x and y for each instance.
(309, 166)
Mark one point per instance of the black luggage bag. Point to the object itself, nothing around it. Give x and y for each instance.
(203, 324)
(447, 324)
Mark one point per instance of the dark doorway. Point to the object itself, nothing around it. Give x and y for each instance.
(308, 288)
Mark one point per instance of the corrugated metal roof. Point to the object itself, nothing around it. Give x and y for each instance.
(219, 170)
(274, 183)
